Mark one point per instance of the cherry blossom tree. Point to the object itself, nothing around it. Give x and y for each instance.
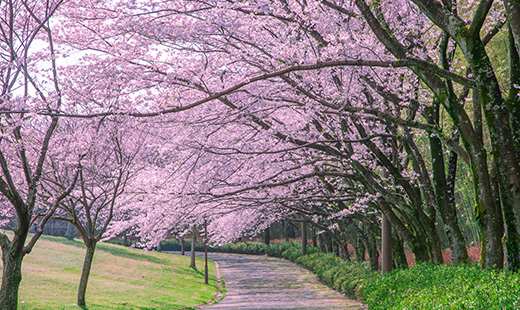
(29, 82)
(368, 70)
(108, 152)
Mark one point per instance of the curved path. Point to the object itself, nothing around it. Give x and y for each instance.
(260, 282)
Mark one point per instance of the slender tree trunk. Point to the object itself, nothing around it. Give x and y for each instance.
(360, 251)
(206, 251)
(314, 238)
(343, 247)
(444, 193)
(267, 236)
(194, 233)
(322, 243)
(373, 253)
(415, 241)
(398, 253)
(85, 273)
(182, 246)
(330, 244)
(386, 246)
(304, 238)
(285, 224)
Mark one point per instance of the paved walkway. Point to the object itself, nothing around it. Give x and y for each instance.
(260, 282)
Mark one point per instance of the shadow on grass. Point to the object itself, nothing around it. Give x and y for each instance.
(128, 253)
(112, 249)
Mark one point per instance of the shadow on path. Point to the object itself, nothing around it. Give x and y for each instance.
(260, 282)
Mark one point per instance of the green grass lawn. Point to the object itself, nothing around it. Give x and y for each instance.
(120, 278)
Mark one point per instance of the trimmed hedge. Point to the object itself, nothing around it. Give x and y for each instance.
(251, 248)
(429, 286)
(348, 277)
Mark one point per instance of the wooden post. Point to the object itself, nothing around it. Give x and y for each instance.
(206, 251)
(386, 247)
(304, 238)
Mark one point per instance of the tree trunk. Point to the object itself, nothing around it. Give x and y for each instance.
(12, 256)
(360, 251)
(330, 244)
(314, 238)
(322, 245)
(398, 253)
(194, 233)
(512, 235)
(386, 246)
(443, 186)
(513, 15)
(373, 253)
(414, 240)
(285, 230)
(267, 236)
(304, 238)
(343, 247)
(85, 273)
(182, 246)
(11, 278)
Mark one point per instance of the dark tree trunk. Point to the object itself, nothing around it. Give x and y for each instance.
(182, 246)
(512, 235)
(314, 238)
(343, 247)
(304, 238)
(85, 273)
(360, 251)
(330, 244)
(322, 243)
(373, 253)
(398, 253)
(11, 278)
(194, 233)
(12, 256)
(285, 230)
(444, 193)
(386, 245)
(416, 241)
(267, 236)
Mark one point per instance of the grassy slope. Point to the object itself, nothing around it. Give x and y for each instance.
(121, 278)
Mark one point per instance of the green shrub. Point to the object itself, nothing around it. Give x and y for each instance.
(428, 286)
(292, 253)
(347, 277)
(276, 249)
(252, 248)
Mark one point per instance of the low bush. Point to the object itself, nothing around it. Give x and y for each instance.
(276, 249)
(428, 286)
(251, 248)
(295, 252)
(347, 277)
